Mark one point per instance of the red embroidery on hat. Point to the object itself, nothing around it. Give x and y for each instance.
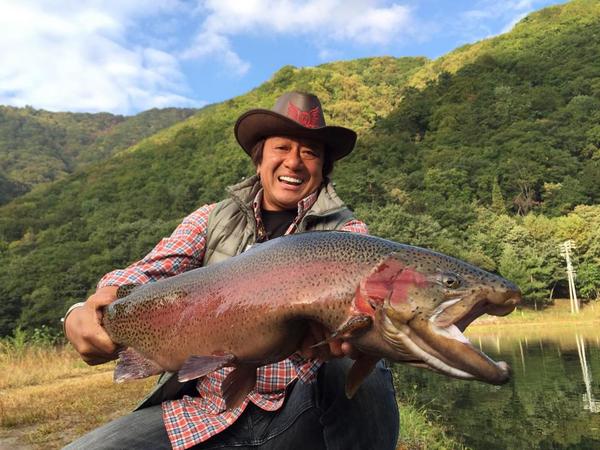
(309, 119)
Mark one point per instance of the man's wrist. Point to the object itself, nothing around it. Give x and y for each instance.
(69, 311)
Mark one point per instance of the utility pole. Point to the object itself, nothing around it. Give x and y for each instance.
(565, 250)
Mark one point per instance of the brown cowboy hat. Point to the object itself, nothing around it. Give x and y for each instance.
(295, 114)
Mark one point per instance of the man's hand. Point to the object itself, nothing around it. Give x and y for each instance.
(84, 331)
(337, 348)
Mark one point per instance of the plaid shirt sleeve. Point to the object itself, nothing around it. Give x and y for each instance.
(356, 226)
(182, 251)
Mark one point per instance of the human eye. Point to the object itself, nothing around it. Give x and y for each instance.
(310, 154)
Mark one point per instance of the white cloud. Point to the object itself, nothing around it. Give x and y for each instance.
(509, 26)
(75, 56)
(327, 54)
(475, 23)
(318, 21)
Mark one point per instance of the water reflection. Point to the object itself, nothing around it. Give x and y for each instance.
(551, 401)
(589, 402)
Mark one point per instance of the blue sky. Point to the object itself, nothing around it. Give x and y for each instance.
(126, 56)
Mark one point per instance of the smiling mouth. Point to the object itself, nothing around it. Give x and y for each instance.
(293, 181)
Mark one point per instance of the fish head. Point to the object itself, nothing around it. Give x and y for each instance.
(423, 301)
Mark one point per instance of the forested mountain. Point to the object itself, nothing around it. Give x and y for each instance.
(39, 146)
(490, 153)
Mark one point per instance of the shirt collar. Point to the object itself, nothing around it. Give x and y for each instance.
(303, 206)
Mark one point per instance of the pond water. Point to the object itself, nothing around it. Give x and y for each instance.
(551, 402)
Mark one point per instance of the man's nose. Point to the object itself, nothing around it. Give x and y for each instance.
(293, 159)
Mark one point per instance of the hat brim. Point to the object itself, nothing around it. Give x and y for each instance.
(258, 124)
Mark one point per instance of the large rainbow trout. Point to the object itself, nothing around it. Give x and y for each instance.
(389, 300)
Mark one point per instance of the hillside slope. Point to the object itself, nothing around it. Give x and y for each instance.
(39, 146)
(59, 239)
(490, 153)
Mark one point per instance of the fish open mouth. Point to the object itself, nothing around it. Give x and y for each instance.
(438, 343)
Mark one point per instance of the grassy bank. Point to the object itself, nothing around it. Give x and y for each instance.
(419, 432)
(555, 322)
(559, 311)
(48, 397)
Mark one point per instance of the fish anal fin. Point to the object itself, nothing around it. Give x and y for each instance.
(351, 328)
(238, 383)
(133, 366)
(360, 370)
(199, 366)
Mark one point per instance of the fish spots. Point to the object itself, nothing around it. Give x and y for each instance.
(259, 297)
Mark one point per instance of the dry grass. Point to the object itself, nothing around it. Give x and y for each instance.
(40, 365)
(48, 397)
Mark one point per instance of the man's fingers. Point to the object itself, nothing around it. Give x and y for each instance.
(349, 350)
(336, 348)
(88, 337)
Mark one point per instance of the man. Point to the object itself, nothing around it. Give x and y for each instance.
(296, 403)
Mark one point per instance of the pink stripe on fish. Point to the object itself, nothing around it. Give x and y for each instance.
(403, 283)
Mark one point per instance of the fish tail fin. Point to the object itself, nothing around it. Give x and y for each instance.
(132, 366)
(238, 384)
(199, 366)
(360, 370)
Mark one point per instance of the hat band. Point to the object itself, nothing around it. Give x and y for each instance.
(308, 119)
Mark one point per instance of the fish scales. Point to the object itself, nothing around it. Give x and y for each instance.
(247, 295)
(257, 306)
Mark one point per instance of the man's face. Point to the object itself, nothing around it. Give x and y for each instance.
(290, 170)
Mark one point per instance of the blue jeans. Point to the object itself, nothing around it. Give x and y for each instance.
(314, 416)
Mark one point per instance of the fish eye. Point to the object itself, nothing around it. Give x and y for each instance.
(450, 280)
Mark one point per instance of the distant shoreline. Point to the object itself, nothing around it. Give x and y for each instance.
(555, 323)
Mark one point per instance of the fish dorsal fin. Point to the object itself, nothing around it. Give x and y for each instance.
(133, 365)
(126, 289)
(199, 366)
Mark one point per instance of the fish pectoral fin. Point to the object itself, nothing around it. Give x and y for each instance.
(360, 370)
(237, 384)
(133, 366)
(199, 366)
(353, 327)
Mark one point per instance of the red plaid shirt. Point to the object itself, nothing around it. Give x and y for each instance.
(192, 420)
